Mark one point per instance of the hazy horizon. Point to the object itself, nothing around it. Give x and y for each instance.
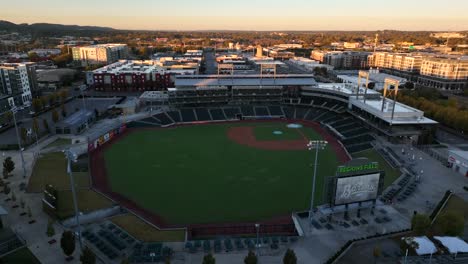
(244, 15)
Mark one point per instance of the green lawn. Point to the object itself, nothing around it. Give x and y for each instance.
(454, 204)
(59, 142)
(23, 256)
(267, 133)
(391, 174)
(51, 168)
(195, 174)
(88, 200)
(141, 230)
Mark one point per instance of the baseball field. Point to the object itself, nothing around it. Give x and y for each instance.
(219, 173)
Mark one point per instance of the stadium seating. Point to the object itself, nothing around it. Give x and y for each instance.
(217, 114)
(163, 118)
(202, 114)
(231, 112)
(261, 111)
(301, 112)
(289, 112)
(247, 110)
(188, 115)
(275, 111)
(175, 115)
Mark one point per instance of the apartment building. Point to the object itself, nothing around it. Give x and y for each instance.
(100, 54)
(342, 59)
(17, 82)
(396, 61)
(447, 73)
(130, 76)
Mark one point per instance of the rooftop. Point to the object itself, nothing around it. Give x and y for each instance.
(76, 118)
(244, 80)
(131, 66)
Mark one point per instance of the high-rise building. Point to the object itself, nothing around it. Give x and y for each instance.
(100, 54)
(18, 81)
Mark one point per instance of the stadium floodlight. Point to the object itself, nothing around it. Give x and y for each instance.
(72, 157)
(315, 145)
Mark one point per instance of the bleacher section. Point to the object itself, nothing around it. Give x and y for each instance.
(188, 115)
(261, 111)
(275, 111)
(217, 114)
(202, 114)
(354, 136)
(231, 112)
(175, 115)
(163, 118)
(247, 111)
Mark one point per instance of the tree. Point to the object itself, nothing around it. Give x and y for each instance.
(125, 261)
(37, 105)
(251, 258)
(420, 224)
(8, 165)
(50, 228)
(377, 252)
(9, 116)
(22, 202)
(6, 189)
(209, 259)
(46, 125)
(55, 116)
(52, 98)
(67, 242)
(87, 256)
(29, 212)
(452, 223)
(96, 113)
(289, 257)
(64, 111)
(63, 95)
(33, 56)
(2, 183)
(35, 126)
(24, 134)
(13, 196)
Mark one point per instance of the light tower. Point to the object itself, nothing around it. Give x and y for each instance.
(317, 145)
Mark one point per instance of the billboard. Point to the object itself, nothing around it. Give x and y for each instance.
(355, 189)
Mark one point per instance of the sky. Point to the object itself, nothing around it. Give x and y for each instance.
(432, 15)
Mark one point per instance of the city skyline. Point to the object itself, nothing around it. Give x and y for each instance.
(245, 15)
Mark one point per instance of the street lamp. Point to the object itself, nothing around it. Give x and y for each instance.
(82, 89)
(13, 111)
(317, 145)
(72, 157)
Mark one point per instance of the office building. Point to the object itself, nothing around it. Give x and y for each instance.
(18, 81)
(100, 54)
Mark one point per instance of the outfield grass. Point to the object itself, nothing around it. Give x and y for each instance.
(88, 200)
(51, 168)
(142, 231)
(59, 142)
(266, 133)
(195, 174)
(391, 174)
(23, 256)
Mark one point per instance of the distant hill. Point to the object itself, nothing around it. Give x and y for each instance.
(47, 28)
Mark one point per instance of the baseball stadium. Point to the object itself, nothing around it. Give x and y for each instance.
(223, 154)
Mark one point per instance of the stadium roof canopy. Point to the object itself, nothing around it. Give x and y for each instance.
(453, 244)
(245, 80)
